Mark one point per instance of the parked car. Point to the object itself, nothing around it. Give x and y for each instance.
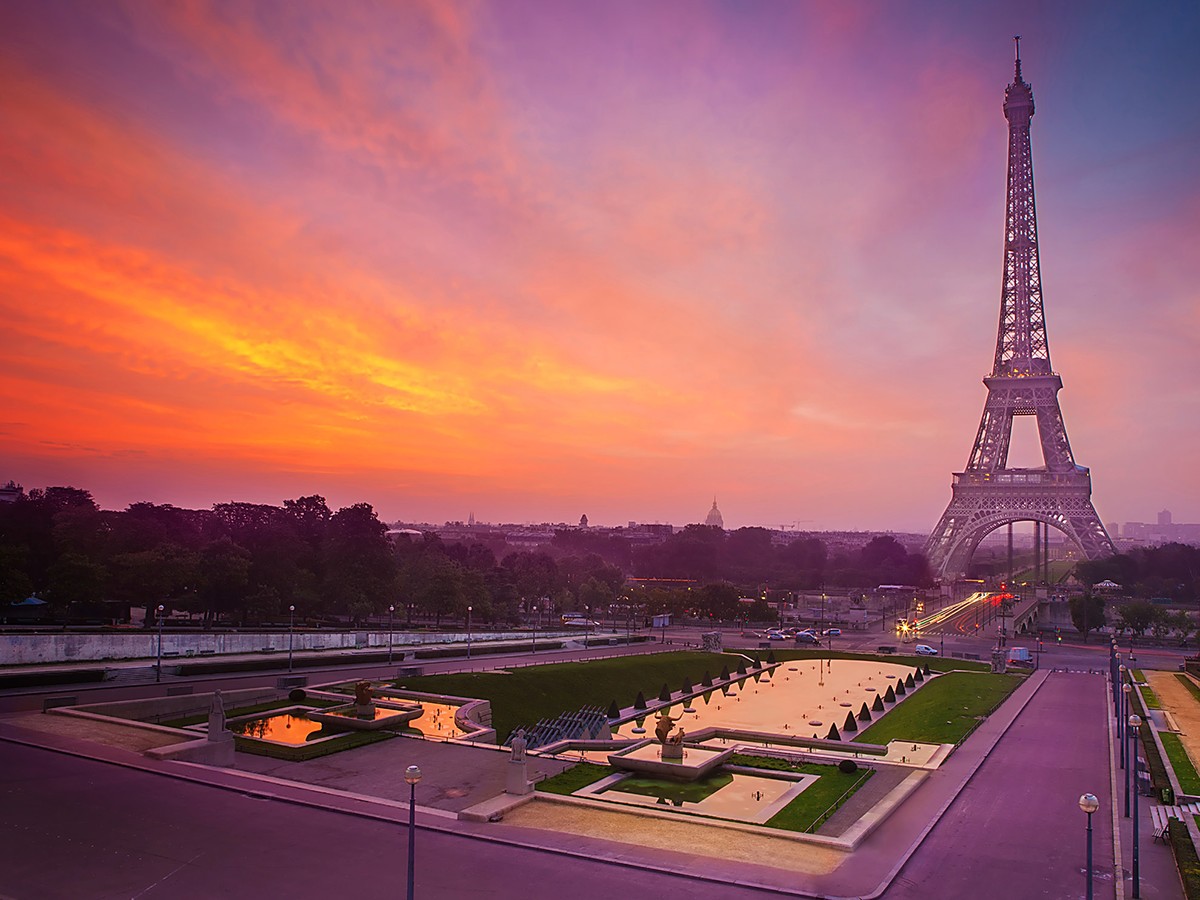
(925, 650)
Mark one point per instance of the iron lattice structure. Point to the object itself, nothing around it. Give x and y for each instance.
(989, 494)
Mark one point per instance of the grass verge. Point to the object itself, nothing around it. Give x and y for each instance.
(1151, 698)
(944, 711)
(1158, 770)
(676, 791)
(525, 695)
(574, 778)
(1185, 770)
(808, 810)
(1190, 685)
(1185, 858)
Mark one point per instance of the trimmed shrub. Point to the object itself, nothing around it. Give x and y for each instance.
(901, 690)
(707, 682)
(833, 733)
(864, 714)
(926, 668)
(725, 673)
(640, 702)
(908, 682)
(850, 724)
(614, 711)
(298, 694)
(890, 696)
(665, 694)
(847, 767)
(687, 685)
(878, 704)
(771, 658)
(741, 669)
(918, 674)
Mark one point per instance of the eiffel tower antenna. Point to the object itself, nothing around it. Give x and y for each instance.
(989, 494)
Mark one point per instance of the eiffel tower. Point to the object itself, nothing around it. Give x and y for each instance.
(989, 494)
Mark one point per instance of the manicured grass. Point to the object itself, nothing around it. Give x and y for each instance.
(944, 711)
(1185, 858)
(1154, 762)
(775, 764)
(522, 696)
(1151, 698)
(680, 791)
(572, 779)
(1138, 676)
(1185, 771)
(1189, 684)
(806, 812)
(347, 741)
(936, 663)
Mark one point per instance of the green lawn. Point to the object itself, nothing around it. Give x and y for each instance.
(936, 663)
(1151, 698)
(522, 696)
(681, 791)
(944, 711)
(1185, 771)
(1189, 684)
(806, 811)
(572, 779)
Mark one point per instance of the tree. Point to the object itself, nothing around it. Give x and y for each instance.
(1087, 613)
(1137, 615)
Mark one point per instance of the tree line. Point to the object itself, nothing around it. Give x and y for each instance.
(247, 563)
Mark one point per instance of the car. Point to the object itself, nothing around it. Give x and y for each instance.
(776, 636)
(1020, 657)
(751, 634)
(807, 637)
(925, 650)
(833, 632)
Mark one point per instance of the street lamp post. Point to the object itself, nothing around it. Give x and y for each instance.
(1122, 711)
(391, 612)
(535, 625)
(412, 775)
(587, 625)
(291, 633)
(158, 665)
(1126, 750)
(468, 632)
(1089, 804)
(1136, 721)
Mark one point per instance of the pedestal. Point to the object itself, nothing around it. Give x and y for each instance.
(517, 779)
(672, 751)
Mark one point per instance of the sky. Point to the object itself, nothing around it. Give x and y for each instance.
(533, 260)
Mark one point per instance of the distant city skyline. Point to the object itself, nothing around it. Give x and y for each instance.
(608, 261)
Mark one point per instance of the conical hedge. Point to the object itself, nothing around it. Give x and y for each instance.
(890, 696)
(850, 725)
(665, 694)
(908, 682)
(725, 673)
(918, 674)
(901, 690)
(741, 669)
(878, 704)
(833, 734)
(707, 682)
(927, 672)
(864, 714)
(771, 658)
(687, 685)
(614, 711)
(640, 702)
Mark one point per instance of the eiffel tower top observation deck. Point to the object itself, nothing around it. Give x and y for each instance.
(988, 494)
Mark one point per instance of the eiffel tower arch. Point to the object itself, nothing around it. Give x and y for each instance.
(988, 494)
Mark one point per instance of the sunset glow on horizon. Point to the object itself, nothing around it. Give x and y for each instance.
(535, 260)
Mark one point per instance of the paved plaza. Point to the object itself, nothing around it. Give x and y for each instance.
(999, 818)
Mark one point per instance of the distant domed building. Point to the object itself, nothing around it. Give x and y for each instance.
(714, 519)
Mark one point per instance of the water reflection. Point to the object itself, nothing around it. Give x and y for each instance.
(291, 728)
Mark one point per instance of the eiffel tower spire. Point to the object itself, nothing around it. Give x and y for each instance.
(988, 494)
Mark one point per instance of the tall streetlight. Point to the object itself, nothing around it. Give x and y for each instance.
(391, 612)
(535, 625)
(1126, 749)
(587, 625)
(1122, 712)
(158, 665)
(413, 776)
(1089, 804)
(1136, 721)
(468, 632)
